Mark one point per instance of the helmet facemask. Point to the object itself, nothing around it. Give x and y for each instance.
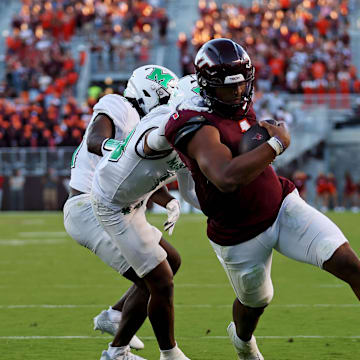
(228, 100)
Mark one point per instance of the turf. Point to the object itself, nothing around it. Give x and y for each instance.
(312, 316)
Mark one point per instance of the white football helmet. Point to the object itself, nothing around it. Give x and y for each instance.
(150, 86)
(187, 87)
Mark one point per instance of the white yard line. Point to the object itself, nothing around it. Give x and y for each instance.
(27, 234)
(69, 337)
(49, 306)
(23, 242)
(63, 306)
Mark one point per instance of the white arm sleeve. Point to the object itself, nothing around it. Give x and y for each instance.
(156, 139)
(113, 106)
(187, 187)
(120, 111)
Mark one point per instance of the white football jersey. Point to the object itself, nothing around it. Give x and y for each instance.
(83, 163)
(125, 177)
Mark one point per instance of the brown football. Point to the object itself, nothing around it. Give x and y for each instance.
(254, 137)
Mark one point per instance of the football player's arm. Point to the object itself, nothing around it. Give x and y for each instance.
(163, 198)
(155, 141)
(102, 128)
(217, 164)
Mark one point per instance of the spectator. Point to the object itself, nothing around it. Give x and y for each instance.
(16, 185)
(163, 22)
(50, 197)
(332, 191)
(322, 192)
(300, 178)
(349, 196)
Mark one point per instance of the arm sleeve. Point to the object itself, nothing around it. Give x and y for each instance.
(187, 187)
(117, 109)
(156, 139)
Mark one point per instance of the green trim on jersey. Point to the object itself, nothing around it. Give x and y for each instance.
(75, 154)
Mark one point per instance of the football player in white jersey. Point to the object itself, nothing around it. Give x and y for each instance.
(113, 118)
(123, 181)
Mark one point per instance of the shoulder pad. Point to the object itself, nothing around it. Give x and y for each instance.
(187, 131)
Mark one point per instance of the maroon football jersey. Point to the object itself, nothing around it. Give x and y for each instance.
(241, 215)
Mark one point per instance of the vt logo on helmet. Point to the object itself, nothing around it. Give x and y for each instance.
(225, 75)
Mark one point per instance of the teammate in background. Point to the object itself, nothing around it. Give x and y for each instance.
(113, 118)
(332, 190)
(349, 196)
(123, 181)
(322, 192)
(250, 209)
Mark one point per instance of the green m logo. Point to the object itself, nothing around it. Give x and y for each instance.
(161, 78)
(196, 90)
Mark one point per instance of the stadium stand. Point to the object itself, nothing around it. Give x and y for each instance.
(59, 57)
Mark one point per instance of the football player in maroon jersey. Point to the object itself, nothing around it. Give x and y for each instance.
(250, 209)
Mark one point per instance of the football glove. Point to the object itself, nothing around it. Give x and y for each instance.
(173, 212)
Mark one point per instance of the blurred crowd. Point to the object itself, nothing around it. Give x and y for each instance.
(328, 195)
(300, 46)
(37, 106)
(296, 46)
(37, 123)
(120, 32)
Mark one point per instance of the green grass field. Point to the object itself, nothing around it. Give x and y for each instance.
(51, 288)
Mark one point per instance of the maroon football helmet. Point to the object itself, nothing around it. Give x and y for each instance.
(225, 75)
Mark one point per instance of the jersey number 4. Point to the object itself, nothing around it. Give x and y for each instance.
(117, 147)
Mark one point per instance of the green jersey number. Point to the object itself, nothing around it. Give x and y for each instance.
(118, 147)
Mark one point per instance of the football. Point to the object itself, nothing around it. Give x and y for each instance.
(254, 137)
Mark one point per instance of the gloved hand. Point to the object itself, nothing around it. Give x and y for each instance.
(173, 212)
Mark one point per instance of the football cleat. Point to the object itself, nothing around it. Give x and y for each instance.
(103, 323)
(127, 355)
(174, 354)
(246, 350)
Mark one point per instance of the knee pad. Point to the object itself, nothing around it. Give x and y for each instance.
(253, 287)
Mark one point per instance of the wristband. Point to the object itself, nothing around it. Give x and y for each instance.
(276, 144)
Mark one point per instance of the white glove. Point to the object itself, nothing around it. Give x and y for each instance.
(196, 103)
(173, 212)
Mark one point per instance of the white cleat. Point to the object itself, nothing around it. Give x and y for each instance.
(246, 350)
(103, 323)
(127, 355)
(173, 354)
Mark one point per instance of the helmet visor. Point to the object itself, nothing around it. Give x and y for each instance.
(233, 94)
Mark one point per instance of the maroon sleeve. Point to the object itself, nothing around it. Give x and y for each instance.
(176, 122)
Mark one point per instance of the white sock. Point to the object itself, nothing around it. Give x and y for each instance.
(241, 343)
(117, 350)
(114, 315)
